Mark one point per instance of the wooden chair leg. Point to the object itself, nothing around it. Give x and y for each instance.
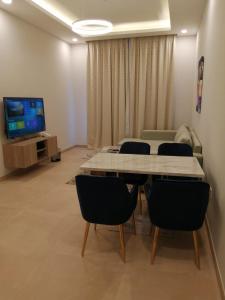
(122, 244)
(85, 238)
(155, 242)
(196, 247)
(140, 200)
(134, 223)
(95, 227)
(151, 229)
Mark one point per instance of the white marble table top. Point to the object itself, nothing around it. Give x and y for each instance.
(110, 149)
(144, 164)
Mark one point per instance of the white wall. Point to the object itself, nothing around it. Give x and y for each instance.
(79, 65)
(210, 124)
(184, 78)
(34, 63)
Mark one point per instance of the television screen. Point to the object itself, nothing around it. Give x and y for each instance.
(23, 116)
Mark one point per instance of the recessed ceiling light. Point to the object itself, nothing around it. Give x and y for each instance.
(74, 39)
(92, 27)
(7, 1)
(184, 31)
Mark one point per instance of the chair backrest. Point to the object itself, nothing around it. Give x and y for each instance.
(178, 205)
(104, 200)
(135, 148)
(175, 149)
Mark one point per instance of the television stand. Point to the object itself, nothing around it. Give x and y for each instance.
(28, 152)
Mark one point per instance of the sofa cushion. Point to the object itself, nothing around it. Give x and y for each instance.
(183, 136)
(180, 131)
(165, 135)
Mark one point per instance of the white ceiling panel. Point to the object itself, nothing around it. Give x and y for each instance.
(129, 17)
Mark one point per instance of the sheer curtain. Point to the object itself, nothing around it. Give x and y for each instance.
(129, 88)
(150, 82)
(107, 91)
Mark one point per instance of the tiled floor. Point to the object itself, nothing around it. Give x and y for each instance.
(41, 231)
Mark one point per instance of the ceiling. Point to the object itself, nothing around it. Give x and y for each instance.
(129, 17)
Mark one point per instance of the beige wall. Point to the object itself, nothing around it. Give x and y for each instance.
(184, 78)
(210, 124)
(34, 63)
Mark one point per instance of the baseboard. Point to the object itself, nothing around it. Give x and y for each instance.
(81, 146)
(215, 260)
(67, 149)
(4, 177)
(13, 172)
(74, 146)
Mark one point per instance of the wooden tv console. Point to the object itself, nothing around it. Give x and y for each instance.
(28, 152)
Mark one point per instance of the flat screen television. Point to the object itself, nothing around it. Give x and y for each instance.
(23, 116)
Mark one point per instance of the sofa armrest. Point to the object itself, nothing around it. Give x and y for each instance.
(197, 147)
(165, 135)
(199, 157)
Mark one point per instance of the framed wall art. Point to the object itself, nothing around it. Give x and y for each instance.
(200, 84)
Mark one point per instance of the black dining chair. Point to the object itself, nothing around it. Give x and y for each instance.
(105, 200)
(178, 205)
(175, 149)
(138, 148)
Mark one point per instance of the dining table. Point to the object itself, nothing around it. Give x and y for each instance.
(144, 164)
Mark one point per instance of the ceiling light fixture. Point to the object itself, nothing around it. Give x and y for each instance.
(7, 1)
(75, 40)
(184, 31)
(87, 28)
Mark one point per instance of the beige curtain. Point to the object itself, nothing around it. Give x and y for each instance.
(150, 80)
(129, 88)
(107, 91)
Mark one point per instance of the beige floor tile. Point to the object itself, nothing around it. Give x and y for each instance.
(41, 231)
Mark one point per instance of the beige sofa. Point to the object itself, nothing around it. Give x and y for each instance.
(157, 137)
